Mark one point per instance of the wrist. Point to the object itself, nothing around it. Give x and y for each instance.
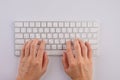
(76, 79)
(18, 78)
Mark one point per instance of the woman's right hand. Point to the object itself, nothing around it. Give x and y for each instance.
(78, 67)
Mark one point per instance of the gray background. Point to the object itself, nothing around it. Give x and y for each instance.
(106, 12)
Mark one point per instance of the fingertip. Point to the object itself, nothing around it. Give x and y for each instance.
(46, 56)
(43, 41)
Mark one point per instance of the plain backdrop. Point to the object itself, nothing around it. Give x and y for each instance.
(105, 12)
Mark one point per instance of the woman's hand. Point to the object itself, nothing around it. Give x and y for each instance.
(33, 61)
(79, 65)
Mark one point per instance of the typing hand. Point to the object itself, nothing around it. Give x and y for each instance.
(33, 61)
(78, 67)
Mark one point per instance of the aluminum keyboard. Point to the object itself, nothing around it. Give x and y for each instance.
(55, 33)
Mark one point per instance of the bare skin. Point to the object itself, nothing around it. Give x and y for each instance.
(33, 61)
(78, 66)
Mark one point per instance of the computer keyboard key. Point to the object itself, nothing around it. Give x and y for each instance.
(37, 24)
(84, 35)
(72, 24)
(75, 30)
(46, 30)
(17, 53)
(51, 41)
(43, 35)
(18, 24)
(26, 40)
(48, 47)
(43, 24)
(23, 30)
(94, 35)
(89, 24)
(93, 30)
(69, 30)
(93, 41)
(37, 35)
(94, 46)
(19, 41)
(46, 41)
(29, 30)
(61, 35)
(55, 24)
(89, 35)
(78, 24)
(52, 30)
(26, 24)
(49, 35)
(84, 24)
(55, 35)
(40, 30)
(86, 30)
(35, 30)
(56, 41)
(64, 30)
(61, 24)
(62, 41)
(32, 36)
(64, 47)
(72, 35)
(67, 35)
(17, 29)
(18, 47)
(53, 47)
(19, 35)
(78, 35)
(95, 24)
(66, 24)
(49, 24)
(26, 35)
(32, 24)
(80, 29)
(58, 30)
(59, 47)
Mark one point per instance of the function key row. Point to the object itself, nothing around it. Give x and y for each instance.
(55, 24)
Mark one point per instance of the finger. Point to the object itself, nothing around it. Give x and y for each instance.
(77, 48)
(83, 48)
(27, 49)
(41, 51)
(64, 61)
(33, 48)
(69, 53)
(89, 50)
(45, 62)
(23, 51)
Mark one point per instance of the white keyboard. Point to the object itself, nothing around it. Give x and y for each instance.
(55, 33)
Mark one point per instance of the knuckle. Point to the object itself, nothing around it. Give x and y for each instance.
(68, 50)
(41, 48)
(36, 63)
(76, 47)
(30, 60)
(72, 64)
(32, 45)
(41, 51)
(27, 47)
